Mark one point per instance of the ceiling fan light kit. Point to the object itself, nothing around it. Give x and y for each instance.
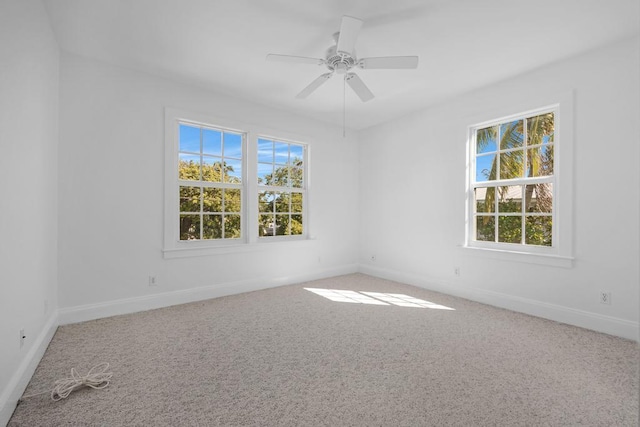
(341, 59)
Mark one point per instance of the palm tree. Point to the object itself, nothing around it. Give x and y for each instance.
(539, 161)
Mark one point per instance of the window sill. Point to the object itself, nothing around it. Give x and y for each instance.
(238, 248)
(551, 260)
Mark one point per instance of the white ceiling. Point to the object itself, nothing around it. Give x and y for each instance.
(222, 44)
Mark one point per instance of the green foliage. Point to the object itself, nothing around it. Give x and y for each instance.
(281, 211)
(486, 228)
(536, 198)
(538, 230)
(286, 176)
(212, 212)
(510, 229)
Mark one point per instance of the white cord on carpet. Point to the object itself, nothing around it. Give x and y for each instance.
(97, 378)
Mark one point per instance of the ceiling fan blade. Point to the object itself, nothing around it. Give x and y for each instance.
(358, 87)
(349, 30)
(389, 62)
(314, 85)
(296, 59)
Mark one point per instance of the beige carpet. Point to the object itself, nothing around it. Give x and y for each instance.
(291, 357)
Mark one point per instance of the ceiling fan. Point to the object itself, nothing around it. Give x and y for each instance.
(341, 59)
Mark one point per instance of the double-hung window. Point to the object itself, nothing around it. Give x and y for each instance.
(281, 187)
(513, 183)
(210, 182)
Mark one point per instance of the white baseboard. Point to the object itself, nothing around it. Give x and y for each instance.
(86, 312)
(21, 377)
(597, 322)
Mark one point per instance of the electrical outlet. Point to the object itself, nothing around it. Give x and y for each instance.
(22, 337)
(605, 297)
(153, 281)
(456, 271)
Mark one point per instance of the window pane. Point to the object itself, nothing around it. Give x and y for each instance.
(540, 161)
(281, 153)
(264, 173)
(486, 228)
(265, 151)
(511, 134)
(485, 199)
(486, 140)
(266, 225)
(232, 201)
(486, 168)
(281, 176)
(233, 171)
(212, 142)
(539, 198)
(538, 230)
(265, 201)
(189, 199)
(510, 199)
(282, 202)
(296, 224)
(232, 226)
(211, 169)
(189, 138)
(296, 202)
(540, 129)
(189, 227)
(232, 145)
(510, 229)
(189, 167)
(511, 164)
(282, 225)
(211, 227)
(212, 199)
(296, 154)
(296, 177)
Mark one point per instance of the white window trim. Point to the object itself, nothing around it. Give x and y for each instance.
(173, 247)
(561, 253)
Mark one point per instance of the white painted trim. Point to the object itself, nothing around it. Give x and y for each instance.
(584, 319)
(563, 195)
(297, 242)
(597, 322)
(148, 302)
(21, 377)
(515, 256)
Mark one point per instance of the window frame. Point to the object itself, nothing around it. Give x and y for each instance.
(173, 247)
(560, 253)
(212, 184)
(284, 189)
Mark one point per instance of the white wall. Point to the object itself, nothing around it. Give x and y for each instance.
(412, 204)
(111, 196)
(29, 60)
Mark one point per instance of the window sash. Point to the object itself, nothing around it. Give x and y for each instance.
(287, 188)
(523, 181)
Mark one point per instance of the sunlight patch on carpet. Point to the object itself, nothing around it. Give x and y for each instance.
(406, 301)
(346, 296)
(376, 298)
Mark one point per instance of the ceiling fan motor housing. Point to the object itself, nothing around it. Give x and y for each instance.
(340, 62)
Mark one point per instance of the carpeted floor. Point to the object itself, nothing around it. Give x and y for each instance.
(291, 357)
